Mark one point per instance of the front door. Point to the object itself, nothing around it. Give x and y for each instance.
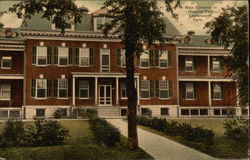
(105, 95)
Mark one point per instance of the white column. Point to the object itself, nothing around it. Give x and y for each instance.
(208, 66)
(117, 91)
(209, 93)
(237, 99)
(73, 91)
(96, 90)
(138, 91)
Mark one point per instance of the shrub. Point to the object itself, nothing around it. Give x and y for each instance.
(13, 134)
(237, 130)
(58, 114)
(104, 132)
(91, 113)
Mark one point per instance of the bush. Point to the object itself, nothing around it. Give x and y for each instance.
(186, 131)
(13, 134)
(91, 113)
(58, 114)
(104, 132)
(47, 133)
(237, 130)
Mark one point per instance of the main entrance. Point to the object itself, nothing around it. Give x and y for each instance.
(105, 95)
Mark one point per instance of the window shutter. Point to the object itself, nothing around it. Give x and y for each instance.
(48, 55)
(138, 61)
(169, 59)
(195, 64)
(221, 64)
(118, 57)
(56, 55)
(211, 63)
(195, 90)
(90, 89)
(69, 88)
(48, 87)
(151, 88)
(91, 56)
(55, 87)
(151, 57)
(157, 90)
(157, 56)
(70, 55)
(77, 56)
(34, 55)
(77, 88)
(222, 91)
(183, 90)
(170, 89)
(212, 90)
(33, 88)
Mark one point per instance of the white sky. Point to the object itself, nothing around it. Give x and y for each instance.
(185, 23)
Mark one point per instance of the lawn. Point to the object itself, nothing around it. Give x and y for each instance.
(221, 148)
(81, 145)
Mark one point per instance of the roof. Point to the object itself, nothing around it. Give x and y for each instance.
(16, 36)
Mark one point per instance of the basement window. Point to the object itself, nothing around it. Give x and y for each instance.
(6, 63)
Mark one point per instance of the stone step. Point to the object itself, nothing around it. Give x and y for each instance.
(109, 112)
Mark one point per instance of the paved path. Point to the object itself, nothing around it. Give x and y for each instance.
(159, 147)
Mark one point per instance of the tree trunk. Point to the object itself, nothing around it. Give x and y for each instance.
(132, 98)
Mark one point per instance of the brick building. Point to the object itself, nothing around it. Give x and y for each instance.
(43, 71)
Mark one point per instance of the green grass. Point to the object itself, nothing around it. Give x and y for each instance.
(221, 148)
(81, 145)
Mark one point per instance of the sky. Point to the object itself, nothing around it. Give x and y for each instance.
(192, 16)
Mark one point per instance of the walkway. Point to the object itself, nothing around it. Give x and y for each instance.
(159, 147)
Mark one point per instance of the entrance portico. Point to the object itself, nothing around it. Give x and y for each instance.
(106, 87)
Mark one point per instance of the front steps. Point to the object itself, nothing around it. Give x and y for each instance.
(109, 112)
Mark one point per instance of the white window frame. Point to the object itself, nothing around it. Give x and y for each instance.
(164, 89)
(84, 88)
(217, 89)
(214, 63)
(5, 88)
(102, 52)
(45, 84)
(123, 87)
(65, 88)
(103, 19)
(84, 53)
(145, 57)
(189, 61)
(6, 58)
(145, 89)
(60, 55)
(41, 52)
(191, 90)
(163, 58)
(123, 58)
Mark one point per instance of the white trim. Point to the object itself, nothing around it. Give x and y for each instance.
(101, 74)
(11, 76)
(73, 91)
(208, 79)
(6, 58)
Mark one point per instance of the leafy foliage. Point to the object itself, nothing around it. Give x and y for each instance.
(104, 132)
(230, 29)
(59, 12)
(185, 130)
(237, 130)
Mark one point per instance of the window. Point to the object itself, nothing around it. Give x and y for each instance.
(145, 89)
(5, 92)
(40, 112)
(217, 92)
(63, 56)
(164, 111)
(6, 63)
(84, 57)
(105, 60)
(189, 88)
(62, 88)
(14, 114)
(144, 60)
(163, 89)
(123, 58)
(123, 90)
(194, 112)
(189, 64)
(216, 65)
(99, 22)
(217, 112)
(185, 112)
(224, 112)
(63, 112)
(84, 89)
(3, 114)
(203, 112)
(41, 86)
(146, 112)
(163, 60)
(244, 112)
(41, 56)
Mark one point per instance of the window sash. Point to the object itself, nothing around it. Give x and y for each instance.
(144, 60)
(123, 90)
(216, 91)
(41, 87)
(189, 64)
(41, 55)
(84, 57)
(163, 60)
(63, 55)
(84, 89)
(216, 66)
(145, 89)
(163, 89)
(189, 88)
(62, 88)
(123, 58)
(5, 92)
(6, 62)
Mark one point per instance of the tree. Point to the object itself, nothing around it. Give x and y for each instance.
(230, 29)
(136, 22)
